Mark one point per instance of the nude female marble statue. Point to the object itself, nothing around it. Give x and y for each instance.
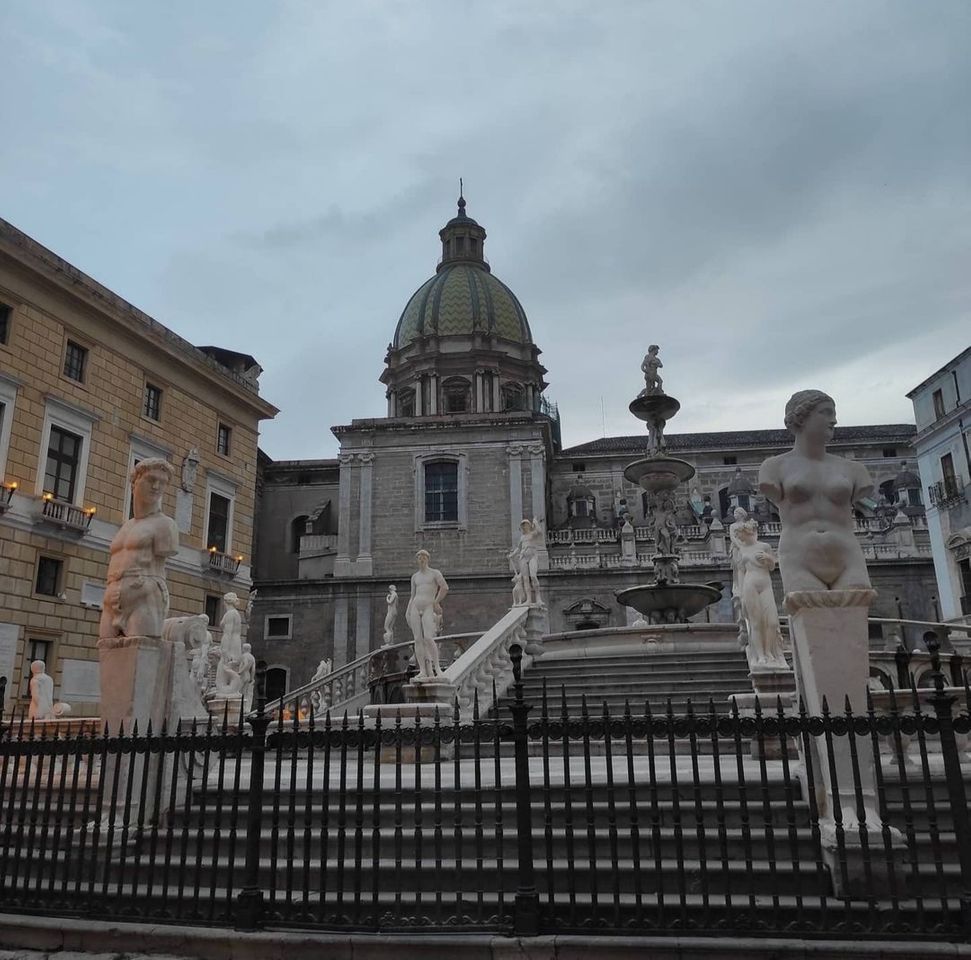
(136, 600)
(753, 565)
(815, 492)
(525, 556)
(428, 590)
(231, 624)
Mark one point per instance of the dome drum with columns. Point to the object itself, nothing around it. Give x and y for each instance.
(462, 344)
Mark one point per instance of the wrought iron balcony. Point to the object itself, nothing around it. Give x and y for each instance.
(67, 516)
(222, 563)
(947, 492)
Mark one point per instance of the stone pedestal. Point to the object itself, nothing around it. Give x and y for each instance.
(410, 714)
(225, 709)
(830, 649)
(136, 682)
(537, 627)
(771, 684)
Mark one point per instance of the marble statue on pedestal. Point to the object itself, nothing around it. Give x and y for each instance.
(136, 600)
(752, 565)
(525, 558)
(428, 589)
(247, 676)
(231, 641)
(392, 615)
(815, 492)
(323, 669)
(42, 705)
(649, 367)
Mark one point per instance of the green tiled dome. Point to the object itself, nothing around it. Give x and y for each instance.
(461, 299)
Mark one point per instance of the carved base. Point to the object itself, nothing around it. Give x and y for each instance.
(229, 709)
(409, 715)
(830, 648)
(436, 692)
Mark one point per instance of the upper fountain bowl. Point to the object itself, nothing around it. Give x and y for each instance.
(654, 406)
(659, 473)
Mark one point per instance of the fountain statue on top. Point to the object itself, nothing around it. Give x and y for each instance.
(666, 599)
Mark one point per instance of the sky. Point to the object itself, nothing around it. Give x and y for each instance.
(778, 194)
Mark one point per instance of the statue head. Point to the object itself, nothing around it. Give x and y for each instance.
(149, 479)
(392, 588)
(230, 599)
(37, 667)
(740, 514)
(811, 411)
(525, 525)
(653, 349)
(247, 648)
(423, 557)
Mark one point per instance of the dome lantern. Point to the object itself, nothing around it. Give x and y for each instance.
(462, 239)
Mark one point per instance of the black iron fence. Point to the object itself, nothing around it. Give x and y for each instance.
(647, 821)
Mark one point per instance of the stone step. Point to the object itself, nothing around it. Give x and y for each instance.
(595, 686)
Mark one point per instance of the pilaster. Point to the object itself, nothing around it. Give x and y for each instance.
(537, 474)
(364, 563)
(342, 561)
(340, 632)
(515, 453)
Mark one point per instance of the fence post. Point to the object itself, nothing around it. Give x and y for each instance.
(943, 704)
(249, 903)
(526, 910)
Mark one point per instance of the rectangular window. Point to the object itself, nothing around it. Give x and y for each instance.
(153, 402)
(75, 359)
(277, 628)
(938, 397)
(37, 650)
(49, 574)
(63, 457)
(212, 608)
(890, 451)
(223, 435)
(218, 533)
(5, 313)
(729, 461)
(441, 491)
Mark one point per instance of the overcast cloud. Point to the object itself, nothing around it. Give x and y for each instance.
(779, 194)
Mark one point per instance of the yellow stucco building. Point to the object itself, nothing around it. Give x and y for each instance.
(89, 385)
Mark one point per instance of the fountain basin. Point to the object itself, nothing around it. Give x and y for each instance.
(654, 406)
(669, 602)
(659, 473)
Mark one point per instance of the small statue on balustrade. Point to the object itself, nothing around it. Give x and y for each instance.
(392, 615)
(525, 558)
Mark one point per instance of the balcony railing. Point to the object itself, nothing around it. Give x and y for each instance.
(6, 495)
(947, 492)
(65, 515)
(222, 563)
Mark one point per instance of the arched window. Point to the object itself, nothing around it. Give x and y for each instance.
(456, 395)
(513, 397)
(406, 403)
(298, 527)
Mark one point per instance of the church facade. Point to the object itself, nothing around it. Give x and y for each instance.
(470, 447)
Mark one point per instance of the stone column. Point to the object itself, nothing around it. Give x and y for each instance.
(515, 453)
(364, 562)
(419, 396)
(342, 562)
(479, 407)
(340, 632)
(433, 394)
(362, 632)
(496, 398)
(537, 476)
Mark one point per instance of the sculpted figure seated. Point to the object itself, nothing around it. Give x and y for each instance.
(136, 599)
(815, 493)
(428, 589)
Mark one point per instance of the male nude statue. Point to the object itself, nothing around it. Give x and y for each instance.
(136, 599)
(428, 590)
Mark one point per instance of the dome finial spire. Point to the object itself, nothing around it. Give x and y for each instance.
(461, 198)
